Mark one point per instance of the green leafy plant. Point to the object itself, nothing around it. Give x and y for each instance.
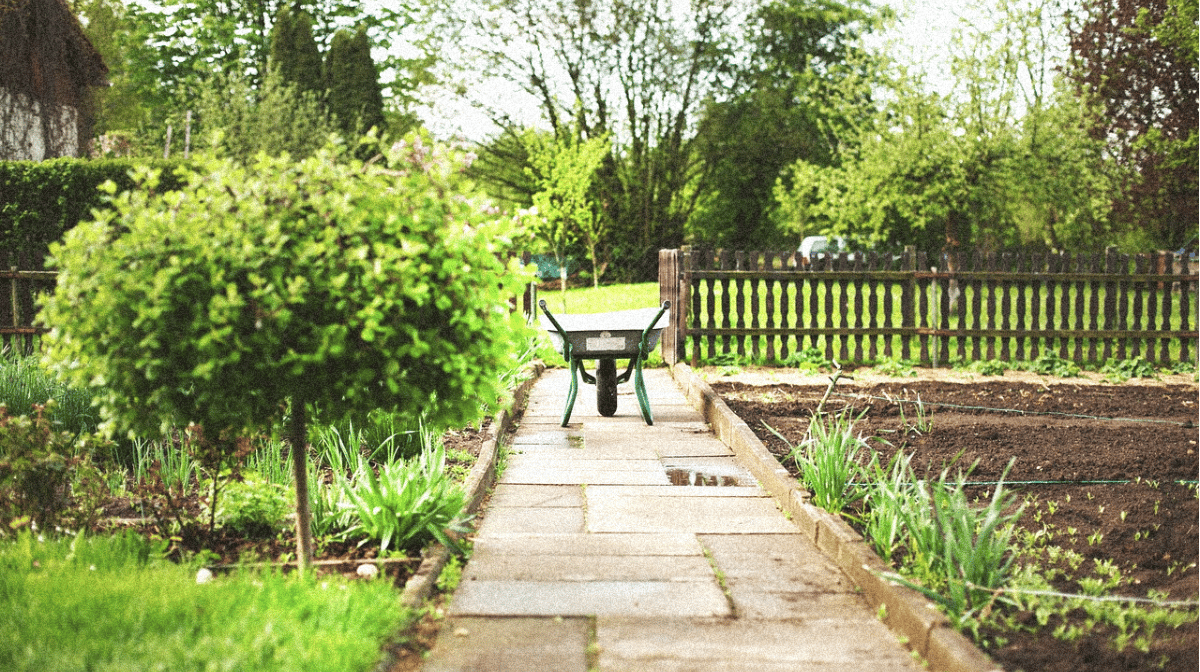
(405, 504)
(958, 553)
(1050, 364)
(45, 473)
(1119, 371)
(253, 506)
(808, 359)
(25, 382)
(889, 493)
(987, 367)
(827, 459)
(921, 423)
(896, 368)
(1184, 367)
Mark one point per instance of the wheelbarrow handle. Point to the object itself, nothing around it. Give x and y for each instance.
(542, 305)
(646, 332)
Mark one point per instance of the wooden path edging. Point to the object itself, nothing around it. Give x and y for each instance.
(908, 613)
(420, 585)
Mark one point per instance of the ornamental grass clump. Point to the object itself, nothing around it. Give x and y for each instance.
(403, 506)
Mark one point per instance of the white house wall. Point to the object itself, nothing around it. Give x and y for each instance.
(21, 132)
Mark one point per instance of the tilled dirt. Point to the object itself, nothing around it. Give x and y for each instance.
(1100, 466)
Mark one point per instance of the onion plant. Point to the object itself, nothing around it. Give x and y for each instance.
(888, 495)
(24, 382)
(828, 460)
(959, 553)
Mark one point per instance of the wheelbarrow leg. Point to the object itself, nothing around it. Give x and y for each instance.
(606, 387)
(575, 365)
(639, 386)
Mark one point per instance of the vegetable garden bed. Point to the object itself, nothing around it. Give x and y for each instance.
(1107, 473)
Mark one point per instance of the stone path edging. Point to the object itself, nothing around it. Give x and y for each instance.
(908, 613)
(420, 585)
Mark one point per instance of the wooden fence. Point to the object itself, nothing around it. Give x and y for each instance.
(18, 306)
(1005, 306)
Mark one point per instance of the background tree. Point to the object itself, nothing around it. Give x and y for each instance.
(287, 289)
(355, 101)
(123, 106)
(776, 115)
(636, 71)
(1005, 160)
(238, 122)
(1138, 60)
(295, 54)
(170, 49)
(564, 171)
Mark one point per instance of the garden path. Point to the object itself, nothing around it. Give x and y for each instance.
(612, 545)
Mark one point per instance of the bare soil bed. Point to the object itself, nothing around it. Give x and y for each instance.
(1101, 459)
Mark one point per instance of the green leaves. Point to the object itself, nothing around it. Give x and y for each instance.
(343, 283)
(405, 505)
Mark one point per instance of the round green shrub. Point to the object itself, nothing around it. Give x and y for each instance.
(347, 286)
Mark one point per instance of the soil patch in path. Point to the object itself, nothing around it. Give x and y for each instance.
(1099, 464)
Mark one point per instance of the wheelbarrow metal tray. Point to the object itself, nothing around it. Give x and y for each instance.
(614, 334)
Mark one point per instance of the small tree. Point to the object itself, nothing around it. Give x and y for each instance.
(258, 295)
(564, 173)
(294, 52)
(238, 122)
(355, 100)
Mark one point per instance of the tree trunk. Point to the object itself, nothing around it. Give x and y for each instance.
(298, 440)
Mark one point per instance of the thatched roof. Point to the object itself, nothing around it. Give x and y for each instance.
(46, 54)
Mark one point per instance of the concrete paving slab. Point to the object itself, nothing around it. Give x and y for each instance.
(490, 566)
(561, 520)
(660, 599)
(648, 544)
(537, 495)
(551, 462)
(697, 447)
(612, 511)
(590, 475)
(548, 438)
(738, 644)
(707, 471)
(784, 562)
(511, 645)
(687, 491)
(607, 450)
(751, 602)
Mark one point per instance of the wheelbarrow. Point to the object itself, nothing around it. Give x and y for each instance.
(607, 337)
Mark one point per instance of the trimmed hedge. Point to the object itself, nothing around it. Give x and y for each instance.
(42, 200)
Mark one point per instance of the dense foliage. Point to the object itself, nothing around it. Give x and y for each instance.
(355, 100)
(42, 200)
(1138, 59)
(352, 287)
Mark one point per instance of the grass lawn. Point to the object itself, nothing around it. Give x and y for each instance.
(108, 603)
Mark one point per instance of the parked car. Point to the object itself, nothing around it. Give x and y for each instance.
(815, 248)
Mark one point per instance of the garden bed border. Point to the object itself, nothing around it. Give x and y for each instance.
(908, 614)
(420, 585)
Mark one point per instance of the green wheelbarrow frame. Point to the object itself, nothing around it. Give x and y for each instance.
(607, 337)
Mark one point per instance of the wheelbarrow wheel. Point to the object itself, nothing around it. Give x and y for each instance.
(606, 387)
